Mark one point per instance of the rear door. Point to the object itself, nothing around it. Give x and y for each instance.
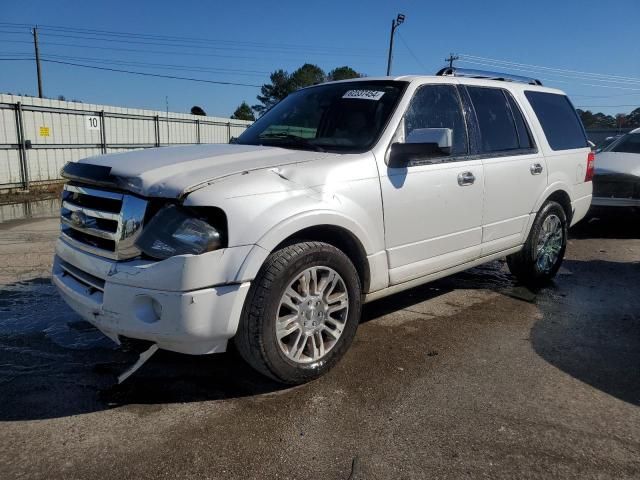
(515, 173)
(563, 139)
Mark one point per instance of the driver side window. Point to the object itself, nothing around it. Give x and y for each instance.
(434, 108)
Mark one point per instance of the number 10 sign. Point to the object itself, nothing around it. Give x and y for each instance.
(93, 123)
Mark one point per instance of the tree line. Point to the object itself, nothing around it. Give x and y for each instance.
(594, 121)
(282, 83)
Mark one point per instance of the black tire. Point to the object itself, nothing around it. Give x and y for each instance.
(256, 339)
(523, 264)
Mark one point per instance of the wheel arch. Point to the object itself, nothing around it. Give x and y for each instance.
(558, 192)
(330, 227)
(343, 240)
(562, 197)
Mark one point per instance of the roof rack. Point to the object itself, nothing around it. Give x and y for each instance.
(471, 73)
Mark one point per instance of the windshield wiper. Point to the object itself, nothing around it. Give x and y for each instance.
(293, 140)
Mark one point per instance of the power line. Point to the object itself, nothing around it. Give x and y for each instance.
(111, 33)
(147, 74)
(136, 63)
(109, 61)
(556, 80)
(563, 75)
(549, 69)
(411, 51)
(607, 96)
(637, 105)
(182, 44)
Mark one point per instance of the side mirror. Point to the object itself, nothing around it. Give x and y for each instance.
(421, 144)
(443, 137)
(402, 154)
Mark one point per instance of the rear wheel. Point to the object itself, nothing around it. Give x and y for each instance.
(540, 258)
(301, 313)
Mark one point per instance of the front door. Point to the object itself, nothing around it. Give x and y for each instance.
(433, 206)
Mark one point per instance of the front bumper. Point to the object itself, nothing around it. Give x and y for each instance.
(148, 301)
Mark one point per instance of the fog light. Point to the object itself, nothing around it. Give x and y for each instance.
(147, 309)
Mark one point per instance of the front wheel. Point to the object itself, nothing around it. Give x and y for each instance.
(301, 312)
(540, 258)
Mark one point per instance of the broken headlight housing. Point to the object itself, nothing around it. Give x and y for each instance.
(177, 231)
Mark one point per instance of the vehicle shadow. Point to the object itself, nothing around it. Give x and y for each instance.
(590, 326)
(608, 224)
(54, 364)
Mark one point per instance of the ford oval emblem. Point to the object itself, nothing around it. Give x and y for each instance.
(79, 219)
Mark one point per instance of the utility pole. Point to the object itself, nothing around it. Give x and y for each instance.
(395, 23)
(166, 101)
(35, 45)
(452, 58)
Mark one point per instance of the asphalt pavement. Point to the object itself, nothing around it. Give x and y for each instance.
(471, 376)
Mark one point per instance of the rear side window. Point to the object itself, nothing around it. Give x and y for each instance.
(497, 126)
(559, 120)
(627, 144)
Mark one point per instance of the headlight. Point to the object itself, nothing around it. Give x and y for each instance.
(174, 231)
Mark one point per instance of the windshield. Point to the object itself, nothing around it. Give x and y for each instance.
(347, 117)
(630, 143)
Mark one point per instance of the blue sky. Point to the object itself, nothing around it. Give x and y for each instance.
(252, 38)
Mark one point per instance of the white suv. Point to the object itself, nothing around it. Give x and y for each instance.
(342, 193)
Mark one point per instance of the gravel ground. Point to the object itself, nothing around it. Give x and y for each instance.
(467, 377)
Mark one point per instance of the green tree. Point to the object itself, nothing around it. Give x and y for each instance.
(272, 93)
(342, 73)
(243, 112)
(283, 83)
(196, 110)
(306, 76)
(633, 119)
(592, 120)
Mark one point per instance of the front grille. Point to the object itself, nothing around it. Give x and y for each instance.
(93, 284)
(102, 222)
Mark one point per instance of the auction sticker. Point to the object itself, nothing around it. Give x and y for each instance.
(364, 94)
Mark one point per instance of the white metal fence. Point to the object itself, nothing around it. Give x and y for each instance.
(38, 136)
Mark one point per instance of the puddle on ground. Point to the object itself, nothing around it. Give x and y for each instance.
(34, 308)
(49, 207)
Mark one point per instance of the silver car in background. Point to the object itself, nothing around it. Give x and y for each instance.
(617, 176)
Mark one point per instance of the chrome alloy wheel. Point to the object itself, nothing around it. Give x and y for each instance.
(550, 241)
(312, 314)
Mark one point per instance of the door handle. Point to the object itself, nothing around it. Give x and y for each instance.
(535, 169)
(466, 179)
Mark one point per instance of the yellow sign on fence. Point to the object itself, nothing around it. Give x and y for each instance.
(44, 131)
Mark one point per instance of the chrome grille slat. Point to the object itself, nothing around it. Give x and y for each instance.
(96, 232)
(68, 205)
(94, 192)
(102, 222)
(88, 248)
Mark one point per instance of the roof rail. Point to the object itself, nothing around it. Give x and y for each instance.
(471, 73)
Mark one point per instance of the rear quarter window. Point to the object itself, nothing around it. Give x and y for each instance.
(559, 120)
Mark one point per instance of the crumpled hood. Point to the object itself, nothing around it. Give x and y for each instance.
(618, 163)
(173, 172)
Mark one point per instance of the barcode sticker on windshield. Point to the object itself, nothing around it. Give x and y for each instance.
(364, 94)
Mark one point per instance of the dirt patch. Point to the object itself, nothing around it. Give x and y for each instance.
(38, 192)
